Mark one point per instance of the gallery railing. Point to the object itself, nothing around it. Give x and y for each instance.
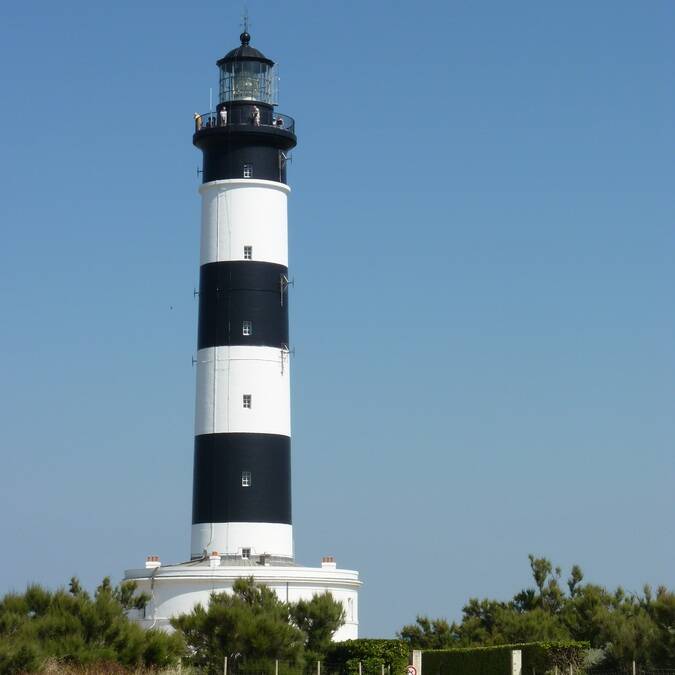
(213, 120)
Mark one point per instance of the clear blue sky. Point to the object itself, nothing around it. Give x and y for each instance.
(482, 237)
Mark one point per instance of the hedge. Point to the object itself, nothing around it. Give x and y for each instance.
(344, 657)
(538, 658)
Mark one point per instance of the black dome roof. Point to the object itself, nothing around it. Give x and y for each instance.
(245, 53)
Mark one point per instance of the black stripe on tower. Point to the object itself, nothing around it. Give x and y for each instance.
(218, 495)
(227, 161)
(228, 150)
(231, 293)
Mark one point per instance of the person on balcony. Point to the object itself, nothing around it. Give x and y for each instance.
(223, 117)
(198, 121)
(255, 117)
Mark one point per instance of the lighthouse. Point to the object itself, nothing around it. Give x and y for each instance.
(241, 489)
(242, 460)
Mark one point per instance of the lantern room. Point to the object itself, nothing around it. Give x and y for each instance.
(247, 75)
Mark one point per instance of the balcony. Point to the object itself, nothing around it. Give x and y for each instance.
(241, 119)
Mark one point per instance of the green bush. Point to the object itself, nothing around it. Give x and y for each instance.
(478, 661)
(538, 658)
(19, 658)
(372, 654)
(75, 629)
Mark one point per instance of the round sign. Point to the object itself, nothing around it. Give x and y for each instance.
(411, 670)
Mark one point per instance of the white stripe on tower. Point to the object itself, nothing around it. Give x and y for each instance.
(242, 212)
(226, 374)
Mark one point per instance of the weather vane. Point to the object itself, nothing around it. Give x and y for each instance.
(245, 22)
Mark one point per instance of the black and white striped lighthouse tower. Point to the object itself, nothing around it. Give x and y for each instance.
(242, 462)
(241, 509)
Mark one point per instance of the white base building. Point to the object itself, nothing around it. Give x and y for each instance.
(176, 589)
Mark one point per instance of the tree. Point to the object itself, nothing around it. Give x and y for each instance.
(428, 633)
(662, 611)
(576, 577)
(480, 618)
(537, 625)
(251, 621)
(620, 626)
(318, 619)
(541, 568)
(74, 628)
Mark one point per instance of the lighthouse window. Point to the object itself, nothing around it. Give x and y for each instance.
(246, 482)
(247, 400)
(247, 328)
(246, 553)
(248, 252)
(248, 170)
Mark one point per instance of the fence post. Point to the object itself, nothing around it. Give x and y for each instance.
(360, 669)
(634, 667)
(416, 660)
(383, 669)
(276, 666)
(318, 668)
(225, 666)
